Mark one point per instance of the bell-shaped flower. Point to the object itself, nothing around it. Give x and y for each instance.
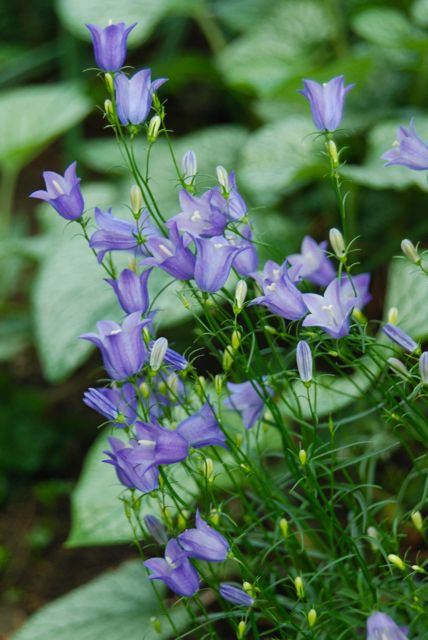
(133, 476)
(122, 346)
(272, 271)
(199, 215)
(235, 595)
(175, 570)
(171, 254)
(156, 445)
(204, 542)
(119, 406)
(380, 626)
(247, 261)
(249, 399)
(63, 193)
(409, 150)
(326, 101)
(311, 264)
(115, 234)
(131, 290)
(214, 259)
(134, 96)
(356, 289)
(331, 311)
(202, 429)
(282, 297)
(110, 45)
(400, 337)
(234, 203)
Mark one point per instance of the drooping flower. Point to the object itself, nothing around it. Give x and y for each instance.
(408, 150)
(110, 45)
(134, 96)
(214, 259)
(199, 215)
(331, 311)
(115, 234)
(117, 405)
(380, 626)
(326, 101)
(157, 445)
(246, 261)
(202, 429)
(235, 595)
(171, 254)
(399, 337)
(204, 542)
(131, 290)
(63, 193)
(282, 297)
(122, 346)
(304, 361)
(311, 264)
(175, 570)
(248, 399)
(133, 476)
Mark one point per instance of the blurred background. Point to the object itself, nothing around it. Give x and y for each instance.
(234, 67)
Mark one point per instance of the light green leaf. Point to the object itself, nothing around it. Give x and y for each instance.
(117, 604)
(420, 12)
(278, 158)
(373, 173)
(241, 15)
(282, 45)
(408, 291)
(74, 15)
(387, 27)
(31, 117)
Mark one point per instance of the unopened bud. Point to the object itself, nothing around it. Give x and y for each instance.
(423, 367)
(228, 358)
(215, 517)
(332, 152)
(200, 387)
(240, 295)
(312, 617)
(108, 108)
(136, 198)
(249, 588)
(189, 167)
(218, 384)
(283, 527)
(373, 533)
(153, 129)
(304, 361)
(157, 353)
(241, 630)
(182, 519)
(393, 315)
(223, 179)
(337, 243)
(396, 561)
(156, 624)
(300, 589)
(303, 457)
(208, 470)
(410, 251)
(145, 390)
(398, 366)
(418, 568)
(359, 316)
(108, 79)
(418, 521)
(236, 340)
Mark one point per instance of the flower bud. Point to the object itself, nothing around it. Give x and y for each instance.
(337, 243)
(248, 588)
(241, 630)
(108, 108)
(136, 198)
(418, 568)
(218, 384)
(144, 390)
(300, 589)
(373, 533)
(423, 367)
(157, 353)
(283, 527)
(304, 361)
(108, 79)
(393, 315)
(153, 129)
(418, 521)
(156, 529)
(200, 387)
(156, 624)
(240, 295)
(312, 617)
(236, 340)
(227, 358)
(215, 517)
(400, 337)
(332, 152)
(189, 167)
(208, 470)
(396, 561)
(398, 366)
(223, 179)
(410, 251)
(182, 519)
(303, 457)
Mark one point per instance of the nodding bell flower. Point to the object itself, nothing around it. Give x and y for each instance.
(282, 297)
(235, 595)
(201, 215)
(331, 311)
(214, 259)
(110, 44)
(171, 254)
(117, 405)
(156, 528)
(134, 96)
(63, 193)
(408, 150)
(202, 429)
(380, 626)
(326, 101)
(131, 290)
(312, 263)
(175, 570)
(204, 542)
(399, 337)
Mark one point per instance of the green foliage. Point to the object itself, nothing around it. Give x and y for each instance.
(408, 291)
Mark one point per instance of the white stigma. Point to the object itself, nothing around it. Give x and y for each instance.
(218, 245)
(196, 215)
(275, 273)
(165, 250)
(396, 144)
(58, 187)
(271, 287)
(147, 443)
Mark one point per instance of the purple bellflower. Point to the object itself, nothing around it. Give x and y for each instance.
(171, 254)
(130, 475)
(175, 570)
(134, 96)
(115, 234)
(272, 271)
(247, 398)
(110, 45)
(326, 101)
(311, 264)
(214, 259)
(122, 346)
(202, 429)
(119, 406)
(399, 337)
(356, 289)
(282, 297)
(156, 445)
(131, 290)
(204, 542)
(331, 311)
(380, 626)
(233, 203)
(199, 215)
(63, 193)
(235, 595)
(247, 261)
(408, 150)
